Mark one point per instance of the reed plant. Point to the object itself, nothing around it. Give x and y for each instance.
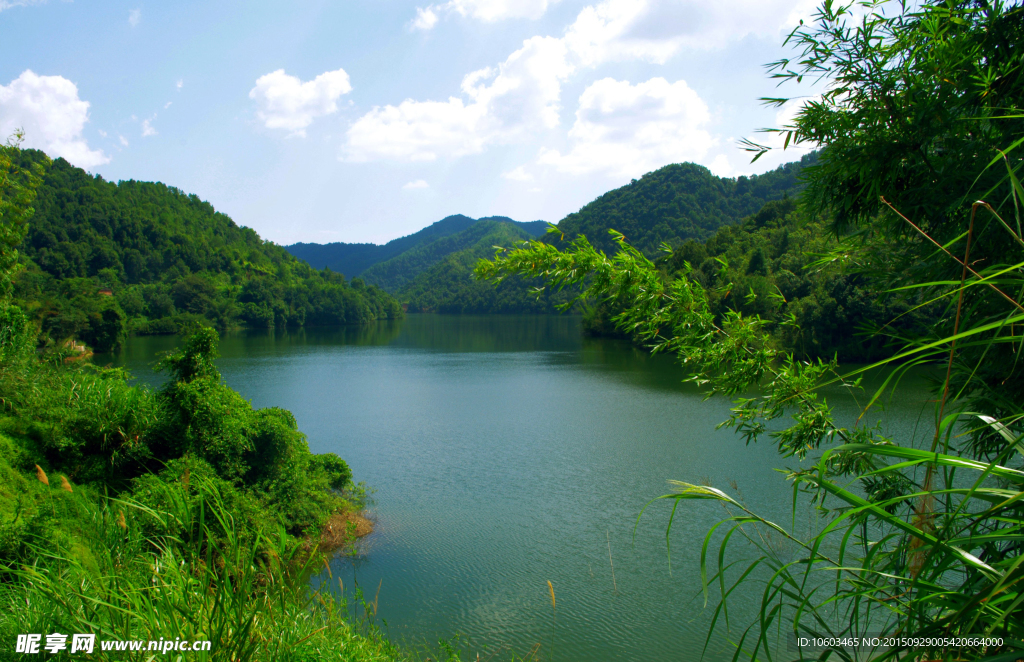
(917, 539)
(187, 571)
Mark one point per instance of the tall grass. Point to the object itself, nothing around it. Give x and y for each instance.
(247, 594)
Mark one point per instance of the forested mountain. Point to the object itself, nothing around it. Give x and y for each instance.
(448, 286)
(105, 259)
(396, 274)
(674, 204)
(353, 259)
(766, 266)
(679, 202)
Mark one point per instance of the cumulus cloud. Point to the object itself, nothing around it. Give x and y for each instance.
(52, 115)
(488, 11)
(425, 19)
(147, 127)
(134, 17)
(417, 184)
(626, 130)
(285, 102)
(521, 95)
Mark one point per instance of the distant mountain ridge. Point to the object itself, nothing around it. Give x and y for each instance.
(353, 259)
(678, 202)
(431, 270)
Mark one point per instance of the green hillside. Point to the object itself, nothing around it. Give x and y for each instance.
(396, 274)
(679, 202)
(675, 204)
(448, 285)
(765, 266)
(107, 259)
(354, 259)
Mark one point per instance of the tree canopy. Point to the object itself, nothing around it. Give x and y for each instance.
(106, 259)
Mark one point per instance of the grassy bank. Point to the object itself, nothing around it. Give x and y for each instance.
(178, 514)
(171, 560)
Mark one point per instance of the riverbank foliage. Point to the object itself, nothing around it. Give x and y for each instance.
(145, 515)
(916, 536)
(104, 260)
(775, 265)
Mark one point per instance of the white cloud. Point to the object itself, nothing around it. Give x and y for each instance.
(520, 96)
(654, 31)
(134, 17)
(721, 166)
(123, 140)
(285, 102)
(518, 175)
(180, 84)
(168, 105)
(425, 19)
(487, 11)
(103, 134)
(52, 115)
(147, 127)
(7, 4)
(604, 32)
(417, 184)
(626, 130)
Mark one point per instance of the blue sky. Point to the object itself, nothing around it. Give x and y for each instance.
(367, 120)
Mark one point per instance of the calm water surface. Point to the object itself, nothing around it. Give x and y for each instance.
(508, 452)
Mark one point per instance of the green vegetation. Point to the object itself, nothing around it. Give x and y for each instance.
(678, 202)
(133, 514)
(104, 260)
(431, 270)
(770, 265)
(917, 537)
(355, 259)
(398, 273)
(448, 286)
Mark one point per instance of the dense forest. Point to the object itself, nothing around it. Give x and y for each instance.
(678, 202)
(104, 260)
(356, 259)
(448, 286)
(769, 266)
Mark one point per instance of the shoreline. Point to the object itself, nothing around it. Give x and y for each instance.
(344, 527)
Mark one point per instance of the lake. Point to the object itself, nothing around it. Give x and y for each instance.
(507, 452)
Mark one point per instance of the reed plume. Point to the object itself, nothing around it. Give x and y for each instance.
(41, 476)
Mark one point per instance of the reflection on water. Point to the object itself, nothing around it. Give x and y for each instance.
(508, 452)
